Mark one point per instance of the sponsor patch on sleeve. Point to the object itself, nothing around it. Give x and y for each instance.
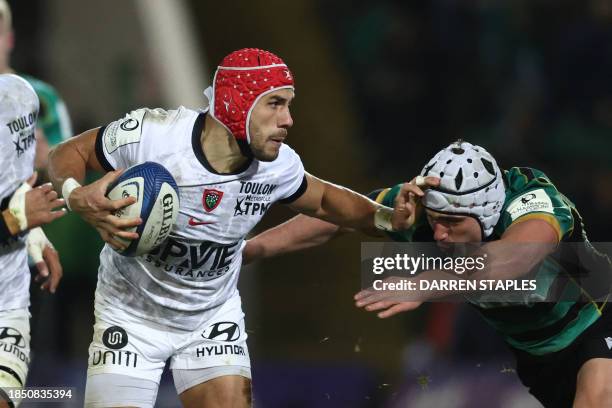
(123, 131)
(533, 201)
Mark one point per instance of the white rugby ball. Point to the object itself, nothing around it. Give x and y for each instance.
(157, 205)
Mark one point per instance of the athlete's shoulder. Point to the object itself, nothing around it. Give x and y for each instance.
(528, 183)
(287, 151)
(9, 79)
(287, 157)
(147, 119)
(521, 178)
(162, 117)
(18, 100)
(15, 86)
(530, 194)
(146, 124)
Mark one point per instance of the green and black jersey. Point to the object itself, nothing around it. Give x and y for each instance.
(534, 327)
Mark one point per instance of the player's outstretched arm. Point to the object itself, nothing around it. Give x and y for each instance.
(333, 204)
(73, 157)
(336, 204)
(344, 207)
(300, 232)
(522, 246)
(68, 163)
(520, 249)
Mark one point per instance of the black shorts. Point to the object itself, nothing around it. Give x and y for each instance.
(551, 378)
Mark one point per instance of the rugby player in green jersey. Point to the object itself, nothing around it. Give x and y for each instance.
(563, 344)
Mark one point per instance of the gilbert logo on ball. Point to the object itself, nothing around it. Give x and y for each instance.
(157, 204)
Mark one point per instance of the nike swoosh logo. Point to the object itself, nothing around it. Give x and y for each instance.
(193, 222)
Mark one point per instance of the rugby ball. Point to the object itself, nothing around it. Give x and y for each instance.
(157, 205)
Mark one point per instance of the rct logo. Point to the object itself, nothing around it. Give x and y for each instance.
(224, 331)
(115, 338)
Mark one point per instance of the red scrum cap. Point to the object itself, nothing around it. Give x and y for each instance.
(241, 79)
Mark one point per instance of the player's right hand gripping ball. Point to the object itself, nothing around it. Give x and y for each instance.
(157, 205)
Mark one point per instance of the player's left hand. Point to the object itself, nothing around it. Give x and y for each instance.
(46, 259)
(391, 302)
(407, 202)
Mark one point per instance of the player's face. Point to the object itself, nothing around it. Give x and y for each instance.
(449, 229)
(270, 121)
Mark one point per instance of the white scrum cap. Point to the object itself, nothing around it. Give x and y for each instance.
(471, 184)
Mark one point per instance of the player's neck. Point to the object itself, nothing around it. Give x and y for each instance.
(220, 148)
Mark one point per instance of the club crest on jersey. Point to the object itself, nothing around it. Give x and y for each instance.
(211, 199)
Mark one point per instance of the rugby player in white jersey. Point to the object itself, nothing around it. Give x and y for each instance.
(23, 210)
(180, 302)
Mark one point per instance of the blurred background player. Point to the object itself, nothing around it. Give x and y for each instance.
(559, 343)
(52, 127)
(231, 164)
(23, 210)
(53, 124)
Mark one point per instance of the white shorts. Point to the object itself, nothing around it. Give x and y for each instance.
(14, 347)
(129, 345)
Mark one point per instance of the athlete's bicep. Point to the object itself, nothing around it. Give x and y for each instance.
(89, 147)
(522, 246)
(531, 230)
(81, 147)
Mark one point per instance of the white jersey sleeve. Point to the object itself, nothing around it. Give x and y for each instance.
(294, 183)
(118, 143)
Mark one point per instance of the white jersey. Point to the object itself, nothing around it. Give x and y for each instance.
(183, 282)
(18, 112)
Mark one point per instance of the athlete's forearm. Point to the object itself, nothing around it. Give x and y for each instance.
(336, 204)
(348, 208)
(510, 260)
(72, 158)
(501, 260)
(519, 250)
(300, 232)
(342, 206)
(501, 263)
